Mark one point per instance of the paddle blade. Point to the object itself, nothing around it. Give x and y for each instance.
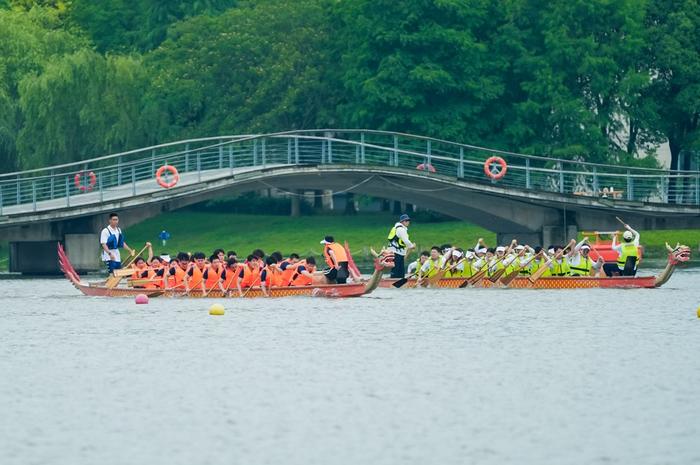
(400, 282)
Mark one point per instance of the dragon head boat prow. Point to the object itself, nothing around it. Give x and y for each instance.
(383, 261)
(676, 255)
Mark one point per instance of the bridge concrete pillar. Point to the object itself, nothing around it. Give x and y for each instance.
(41, 257)
(84, 251)
(296, 203)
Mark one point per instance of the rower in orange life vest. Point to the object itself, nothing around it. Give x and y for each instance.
(337, 260)
(304, 273)
(141, 269)
(249, 276)
(288, 268)
(194, 278)
(212, 273)
(230, 275)
(177, 269)
(271, 275)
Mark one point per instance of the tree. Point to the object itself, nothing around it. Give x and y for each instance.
(674, 61)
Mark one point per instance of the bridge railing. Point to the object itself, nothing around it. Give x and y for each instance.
(131, 173)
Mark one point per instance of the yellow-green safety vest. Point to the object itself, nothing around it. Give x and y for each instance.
(394, 240)
(560, 269)
(583, 268)
(628, 250)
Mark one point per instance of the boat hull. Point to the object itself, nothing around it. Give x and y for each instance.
(550, 282)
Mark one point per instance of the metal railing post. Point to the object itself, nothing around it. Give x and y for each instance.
(428, 157)
(51, 193)
(330, 151)
(255, 152)
(230, 157)
(396, 151)
(119, 171)
(296, 150)
(262, 148)
(357, 154)
(460, 169)
(153, 161)
(561, 177)
(221, 154)
(187, 157)
(99, 186)
(19, 191)
(199, 167)
(528, 183)
(133, 180)
(289, 151)
(630, 186)
(0, 199)
(362, 148)
(596, 189)
(33, 195)
(67, 191)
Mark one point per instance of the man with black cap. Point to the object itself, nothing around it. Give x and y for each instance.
(400, 245)
(337, 260)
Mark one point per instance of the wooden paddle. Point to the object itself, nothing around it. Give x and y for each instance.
(113, 281)
(402, 281)
(506, 280)
(542, 269)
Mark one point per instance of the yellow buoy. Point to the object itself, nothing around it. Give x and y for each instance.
(216, 309)
(698, 312)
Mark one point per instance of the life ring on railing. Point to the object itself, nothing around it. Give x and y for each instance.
(426, 167)
(495, 168)
(78, 178)
(173, 171)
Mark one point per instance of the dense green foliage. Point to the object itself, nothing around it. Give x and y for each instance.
(597, 80)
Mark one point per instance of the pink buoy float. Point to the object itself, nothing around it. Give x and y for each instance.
(141, 299)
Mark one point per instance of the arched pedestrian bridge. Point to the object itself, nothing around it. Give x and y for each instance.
(539, 199)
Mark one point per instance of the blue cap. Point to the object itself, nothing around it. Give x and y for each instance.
(404, 217)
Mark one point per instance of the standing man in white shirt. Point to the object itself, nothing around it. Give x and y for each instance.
(400, 245)
(111, 240)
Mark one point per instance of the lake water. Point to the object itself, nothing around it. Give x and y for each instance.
(398, 377)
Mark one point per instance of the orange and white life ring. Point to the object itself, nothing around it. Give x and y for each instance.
(78, 181)
(173, 171)
(426, 167)
(495, 168)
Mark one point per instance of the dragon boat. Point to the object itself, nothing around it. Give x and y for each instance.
(676, 255)
(382, 262)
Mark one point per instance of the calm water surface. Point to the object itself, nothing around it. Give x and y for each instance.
(415, 377)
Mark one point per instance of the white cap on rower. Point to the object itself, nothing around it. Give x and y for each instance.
(456, 253)
(500, 248)
(165, 258)
(627, 235)
(585, 247)
(550, 251)
(481, 250)
(469, 255)
(520, 247)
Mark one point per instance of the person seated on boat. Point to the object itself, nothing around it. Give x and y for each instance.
(627, 254)
(415, 265)
(249, 274)
(539, 261)
(194, 278)
(212, 273)
(158, 267)
(559, 265)
(229, 275)
(432, 265)
(519, 260)
(454, 263)
(271, 275)
(288, 267)
(481, 258)
(260, 254)
(580, 262)
(231, 254)
(178, 268)
(304, 273)
(337, 261)
(142, 275)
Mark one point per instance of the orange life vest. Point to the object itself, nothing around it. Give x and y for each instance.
(213, 277)
(273, 277)
(288, 273)
(231, 275)
(178, 278)
(250, 277)
(338, 251)
(157, 280)
(301, 280)
(145, 273)
(196, 278)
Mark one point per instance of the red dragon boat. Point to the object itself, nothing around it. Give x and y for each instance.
(677, 255)
(98, 289)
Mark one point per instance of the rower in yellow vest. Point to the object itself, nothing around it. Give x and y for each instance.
(559, 265)
(432, 265)
(627, 250)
